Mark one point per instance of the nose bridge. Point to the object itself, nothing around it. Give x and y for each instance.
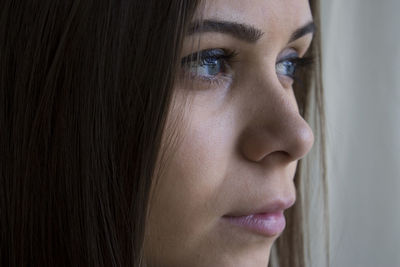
(274, 123)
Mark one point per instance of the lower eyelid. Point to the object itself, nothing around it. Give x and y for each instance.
(218, 78)
(286, 81)
(221, 80)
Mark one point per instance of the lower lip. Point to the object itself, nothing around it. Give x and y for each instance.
(268, 224)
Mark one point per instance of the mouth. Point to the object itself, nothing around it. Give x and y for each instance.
(268, 221)
(267, 224)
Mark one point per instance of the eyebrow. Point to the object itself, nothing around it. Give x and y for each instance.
(241, 31)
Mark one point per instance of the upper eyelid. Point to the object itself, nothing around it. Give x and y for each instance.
(302, 45)
(226, 55)
(290, 56)
(195, 56)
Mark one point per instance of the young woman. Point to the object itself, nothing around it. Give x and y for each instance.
(156, 133)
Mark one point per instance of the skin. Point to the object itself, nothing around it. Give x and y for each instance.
(239, 142)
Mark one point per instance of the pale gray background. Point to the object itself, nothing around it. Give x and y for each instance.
(361, 60)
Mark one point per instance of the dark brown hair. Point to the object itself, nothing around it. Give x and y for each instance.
(85, 87)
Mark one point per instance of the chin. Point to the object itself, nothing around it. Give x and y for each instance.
(258, 257)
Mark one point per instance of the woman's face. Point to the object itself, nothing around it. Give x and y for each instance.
(227, 181)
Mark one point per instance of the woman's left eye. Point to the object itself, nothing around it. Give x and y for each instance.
(208, 67)
(287, 67)
(208, 64)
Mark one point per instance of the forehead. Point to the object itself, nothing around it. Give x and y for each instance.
(270, 16)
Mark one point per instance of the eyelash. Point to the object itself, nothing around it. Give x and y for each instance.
(293, 60)
(210, 57)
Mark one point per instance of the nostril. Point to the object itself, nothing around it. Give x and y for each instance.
(257, 145)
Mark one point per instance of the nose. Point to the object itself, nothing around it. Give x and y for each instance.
(274, 125)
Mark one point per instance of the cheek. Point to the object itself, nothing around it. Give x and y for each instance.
(186, 197)
(196, 170)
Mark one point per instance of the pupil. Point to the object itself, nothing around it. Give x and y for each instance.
(290, 67)
(213, 67)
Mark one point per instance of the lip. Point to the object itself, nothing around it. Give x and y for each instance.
(267, 224)
(278, 204)
(268, 220)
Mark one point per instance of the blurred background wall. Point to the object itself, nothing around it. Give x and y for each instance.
(361, 61)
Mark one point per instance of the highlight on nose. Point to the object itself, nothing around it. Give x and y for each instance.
(300, 141)
(293, 136)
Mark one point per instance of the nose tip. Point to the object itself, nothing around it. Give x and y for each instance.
(291, 135)
(300, 140)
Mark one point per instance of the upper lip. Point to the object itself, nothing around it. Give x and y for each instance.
(276, 205)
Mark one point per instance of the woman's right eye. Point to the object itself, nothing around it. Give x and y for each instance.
(209, 65)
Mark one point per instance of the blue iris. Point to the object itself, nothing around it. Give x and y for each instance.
(286, 67)
(209, 67)
(207, 63)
